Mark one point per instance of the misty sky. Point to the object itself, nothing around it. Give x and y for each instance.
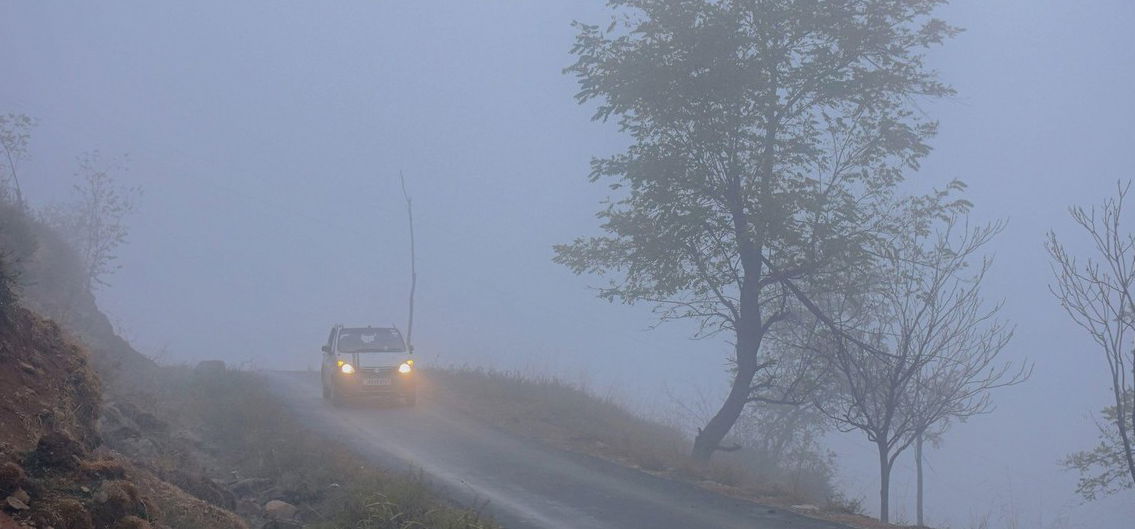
(268, 137)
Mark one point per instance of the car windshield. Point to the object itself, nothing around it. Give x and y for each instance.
(370, 340)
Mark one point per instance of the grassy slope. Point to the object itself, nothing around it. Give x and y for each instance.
(253, 436)
(573, 419)
(49, 405)
(154, 418)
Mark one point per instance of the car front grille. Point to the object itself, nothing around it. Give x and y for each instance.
(378, 371)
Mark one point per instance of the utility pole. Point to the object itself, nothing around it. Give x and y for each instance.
(413, 263)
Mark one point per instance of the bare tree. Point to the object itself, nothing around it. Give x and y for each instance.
(920, 440)
(934, 341)
(1097, 294)
(15, 130)
(94, 222)
(413, 263)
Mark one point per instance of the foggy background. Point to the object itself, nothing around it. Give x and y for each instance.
(268, 137)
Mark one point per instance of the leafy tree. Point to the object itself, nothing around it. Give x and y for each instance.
(8, 296)
(15, 130)
(1099, 295)
(1103, 469)
(93, 224)
(767, 136)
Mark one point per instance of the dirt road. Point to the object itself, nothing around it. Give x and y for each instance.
(521, 483)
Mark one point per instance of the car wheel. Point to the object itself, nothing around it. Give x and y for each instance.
(323, 386)
(336, 397)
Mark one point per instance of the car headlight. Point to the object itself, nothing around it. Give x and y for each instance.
(405, 368)
(347, 369)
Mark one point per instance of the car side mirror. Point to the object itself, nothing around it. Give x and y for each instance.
(326, 349)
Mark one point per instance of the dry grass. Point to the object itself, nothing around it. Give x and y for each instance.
(569, 417)
(254, 436)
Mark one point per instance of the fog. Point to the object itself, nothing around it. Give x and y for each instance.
(269, 137)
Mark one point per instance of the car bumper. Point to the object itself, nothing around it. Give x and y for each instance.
(364, 384)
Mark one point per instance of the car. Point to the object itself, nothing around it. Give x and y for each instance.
(367, 363)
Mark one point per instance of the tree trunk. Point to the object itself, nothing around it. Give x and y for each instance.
(1124, 434)
(918, 470)
(749, 329)
(884, 483)
(709, 438)
(1131, 453)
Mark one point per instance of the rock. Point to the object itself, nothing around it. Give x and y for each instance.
(11, 477)
(57, 450)
(805, 507)
(249, 486)
(115, 424)
(248, 508)
(203, 488)
(132, 522)
(209, 367)
(113, 501)
(22, 495)
(102, 469)
(28, 368)
(279, 510)
(15, 504)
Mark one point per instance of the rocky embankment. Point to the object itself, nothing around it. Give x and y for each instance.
(55, 471)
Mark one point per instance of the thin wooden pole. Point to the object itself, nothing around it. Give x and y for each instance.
(413, 263)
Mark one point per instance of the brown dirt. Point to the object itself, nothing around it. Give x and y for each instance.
(46, 385)
(52, 471)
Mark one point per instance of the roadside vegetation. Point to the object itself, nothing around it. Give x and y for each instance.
(268, 455)
(762, 196)
(95, 435)
(572, 418)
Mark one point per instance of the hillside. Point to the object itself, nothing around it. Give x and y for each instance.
(95, 435)
(54, 470)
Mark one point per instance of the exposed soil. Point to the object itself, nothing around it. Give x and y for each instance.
(46, 385)
(53, 471)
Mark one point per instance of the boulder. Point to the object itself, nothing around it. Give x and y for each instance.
(57, 450)
(132, 522)
(15, 504)
(279, 510)
(11, 477)
(209, 367)
(249, 487)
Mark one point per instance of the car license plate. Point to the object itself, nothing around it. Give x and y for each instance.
(380, 381)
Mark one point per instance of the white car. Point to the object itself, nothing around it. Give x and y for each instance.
(367, 362)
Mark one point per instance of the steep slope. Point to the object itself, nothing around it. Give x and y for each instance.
(46, 384)
(158, 446)
(53, 472)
